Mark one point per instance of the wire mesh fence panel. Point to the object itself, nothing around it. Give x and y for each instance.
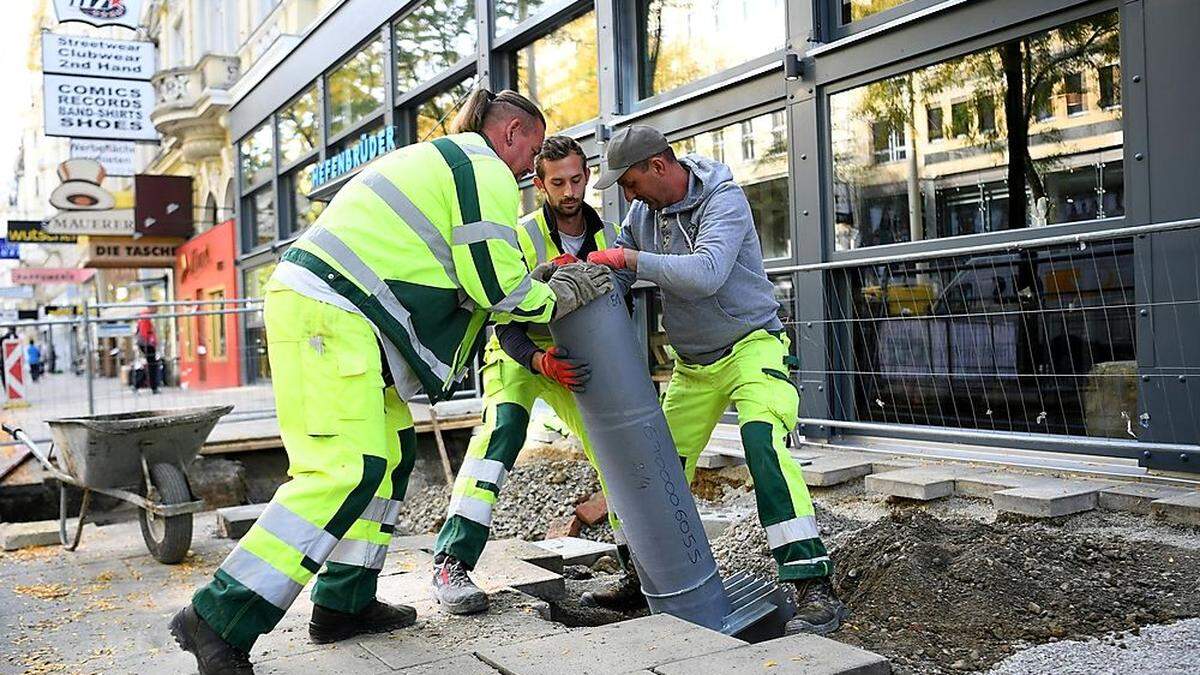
(126, 358)
(1041, 339)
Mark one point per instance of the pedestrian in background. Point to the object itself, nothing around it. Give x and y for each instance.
(34, 356)
(147, 343)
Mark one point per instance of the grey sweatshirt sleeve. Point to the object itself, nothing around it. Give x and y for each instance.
(623, 279)
(719, 237)
(516, 343)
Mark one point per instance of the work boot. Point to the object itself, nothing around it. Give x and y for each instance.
(623, 594)
(454, 590)
(214, 656)
(818, 610)
(329, 625)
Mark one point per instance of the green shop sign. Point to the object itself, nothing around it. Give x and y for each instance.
(368, 147)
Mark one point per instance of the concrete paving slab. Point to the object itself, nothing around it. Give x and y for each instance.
(793, 655)
(1050, 499)
(1135, 497)
(32, 534)
(624, 647)
(985, 483)
(413, 542)
(1181, 509)
(921, 483)
(233, 522)
(466, 664)
(437, 636)
(526, 551)
(498, 569)
(338, 658)
(716, 523)
(835, 470)
(716, 460)
(576, 551)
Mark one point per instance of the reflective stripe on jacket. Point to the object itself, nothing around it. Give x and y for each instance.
(424, 244)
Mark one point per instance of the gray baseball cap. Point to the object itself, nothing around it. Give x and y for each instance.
(628, 147)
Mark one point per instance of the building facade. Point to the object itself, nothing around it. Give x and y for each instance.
(974, 213)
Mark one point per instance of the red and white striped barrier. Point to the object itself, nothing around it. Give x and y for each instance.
(14, 371)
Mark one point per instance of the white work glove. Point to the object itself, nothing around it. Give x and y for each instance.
(576, 284)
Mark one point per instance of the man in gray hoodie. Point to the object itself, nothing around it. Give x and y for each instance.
(690, 231)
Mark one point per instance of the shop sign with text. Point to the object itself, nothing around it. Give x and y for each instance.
(34, 232)
(109, 223)
(125, 13)
(89, 107)
(97, 57)
(143, 252)
(368, 147)
(115, 156)
(34, 276)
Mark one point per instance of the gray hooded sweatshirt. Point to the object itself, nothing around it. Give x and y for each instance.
(704, 255)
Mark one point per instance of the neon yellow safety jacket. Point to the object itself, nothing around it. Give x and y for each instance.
(424, 244)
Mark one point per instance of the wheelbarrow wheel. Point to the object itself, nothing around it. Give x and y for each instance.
(168, 538)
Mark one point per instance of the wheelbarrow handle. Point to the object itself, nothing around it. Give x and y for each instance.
(23, 438)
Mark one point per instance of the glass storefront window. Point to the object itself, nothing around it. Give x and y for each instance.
(256, 152)
(299, 127)
(936, 141)
(355, 88)
(680, 41)
(253, 283)
(1040, 341)
(304, 211)
(531, 198)
(258, 212)
(757, 155)
(854, 10)
(558, 72)
(510, 13)
(433, 116)
(433, 37)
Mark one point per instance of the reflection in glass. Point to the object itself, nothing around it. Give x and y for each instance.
(680, 41)
(761, 169)
(532, 199)
(256, 153)
(433, 37)
(356, 87)
(558, 72)
(785, 295)
(853, 10)
(262, 217)
(1036, 341)
(510, 13)
(924, 154)
(304, 210)
(299, 127)
(435, 114)
(257, 365)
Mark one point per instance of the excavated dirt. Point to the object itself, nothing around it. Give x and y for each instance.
(942, 587)
(953, 595)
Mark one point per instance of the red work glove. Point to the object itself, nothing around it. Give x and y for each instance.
(564, 259)
(570, 373)
(609, 257)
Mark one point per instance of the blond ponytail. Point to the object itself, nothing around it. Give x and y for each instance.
(482, 106)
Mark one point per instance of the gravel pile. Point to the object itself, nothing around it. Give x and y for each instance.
(954, 595)
(743, 545)
(1173, 648)
(536, 493)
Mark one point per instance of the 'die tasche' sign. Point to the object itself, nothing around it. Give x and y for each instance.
(368, 147)
(97, 57)
(100, 12)
(88, 107)
(123, 252)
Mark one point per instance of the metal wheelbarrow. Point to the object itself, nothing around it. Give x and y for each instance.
(136, 457)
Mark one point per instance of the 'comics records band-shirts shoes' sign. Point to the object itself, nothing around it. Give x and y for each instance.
(89, 107)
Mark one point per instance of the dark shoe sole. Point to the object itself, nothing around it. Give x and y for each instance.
(472, 605)
(322, 636)
(800, 626)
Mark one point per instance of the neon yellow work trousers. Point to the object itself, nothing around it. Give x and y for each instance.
(509, 392)
(350, 447)
(754, 378)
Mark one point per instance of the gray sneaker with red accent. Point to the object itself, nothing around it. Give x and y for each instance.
(454, 590)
